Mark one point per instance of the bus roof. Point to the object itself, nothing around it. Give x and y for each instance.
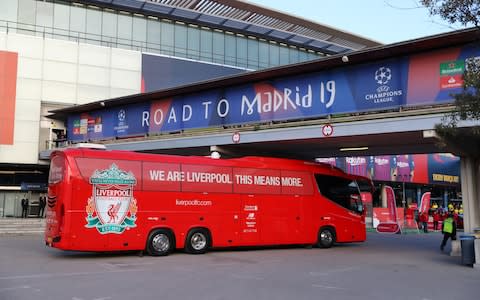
(246, 161)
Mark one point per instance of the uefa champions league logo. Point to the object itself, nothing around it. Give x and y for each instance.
(383, 75)
(121, 115)
(384, 93)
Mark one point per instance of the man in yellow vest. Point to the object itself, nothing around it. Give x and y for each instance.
(449, 230)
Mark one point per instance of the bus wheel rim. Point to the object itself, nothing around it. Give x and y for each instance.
(326, 236)
(161, 242)
(198, 241)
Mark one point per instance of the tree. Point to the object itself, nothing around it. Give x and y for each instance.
(464, 141)
(465, 12)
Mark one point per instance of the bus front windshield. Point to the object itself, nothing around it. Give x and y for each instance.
(343, 191)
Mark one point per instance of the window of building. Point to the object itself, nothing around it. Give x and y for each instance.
(139, 32)
(153, 35)
(218, 47)
(230, 49)
(293, 54)
(78, 17)
(61, 21)
(263, 53)
(206, 44)
(284, 54)
(180, 40)
(252, 45)
(109, 28)
(26, 16)
(302, 55)
(193, 42)
(274, 54)
(44, 19)
(94, 26)
(8, 12)
(124, 30)
(242, 51)
(167, 38)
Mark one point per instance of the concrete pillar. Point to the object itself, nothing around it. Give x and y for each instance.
(470, 173)
(477, 254)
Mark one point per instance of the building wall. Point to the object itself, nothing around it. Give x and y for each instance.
(61, 73)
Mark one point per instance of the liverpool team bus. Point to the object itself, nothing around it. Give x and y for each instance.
(107, 200)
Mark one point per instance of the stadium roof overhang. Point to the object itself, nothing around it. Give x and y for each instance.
(248, 19)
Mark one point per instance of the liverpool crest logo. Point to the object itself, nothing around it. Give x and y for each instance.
(112, 207)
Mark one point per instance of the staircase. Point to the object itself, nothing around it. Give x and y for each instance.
(18, 226)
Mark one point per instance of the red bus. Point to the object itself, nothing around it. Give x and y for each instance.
(102, 200)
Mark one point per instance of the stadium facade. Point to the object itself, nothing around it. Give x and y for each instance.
(56, 54)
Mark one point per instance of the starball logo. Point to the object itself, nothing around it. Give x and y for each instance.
(383, 93)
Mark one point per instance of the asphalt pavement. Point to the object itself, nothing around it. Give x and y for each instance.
(395, 266)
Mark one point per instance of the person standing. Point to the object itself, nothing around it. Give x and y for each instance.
(42, 203)
(436, 219)
(25, 206)
(449, 230)
(424, 221)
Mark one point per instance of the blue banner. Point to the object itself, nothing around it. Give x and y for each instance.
(422, 79)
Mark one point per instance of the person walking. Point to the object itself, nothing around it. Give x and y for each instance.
(25, 205)
(449, 230)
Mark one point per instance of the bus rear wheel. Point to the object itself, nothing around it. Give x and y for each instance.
(198, 241)
(160, 242)
(326, 237)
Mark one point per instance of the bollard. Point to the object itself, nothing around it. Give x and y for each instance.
(468, 249)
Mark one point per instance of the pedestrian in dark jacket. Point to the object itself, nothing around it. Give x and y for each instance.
(25, 205)
(449, 230)
(41, 205)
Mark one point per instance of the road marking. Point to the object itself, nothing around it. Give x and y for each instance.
(15, 288)
(331, 271)
(328, 287)
(101, 298)
(239, 276)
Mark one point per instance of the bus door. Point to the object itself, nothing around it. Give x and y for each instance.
(249, 219)
(282, 219)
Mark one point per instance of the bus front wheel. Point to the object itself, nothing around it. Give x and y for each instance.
(326, 237)
(160, 242)
(198, 241)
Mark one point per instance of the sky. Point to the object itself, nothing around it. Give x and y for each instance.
(384, 21)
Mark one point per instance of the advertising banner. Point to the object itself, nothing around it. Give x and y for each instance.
(416, 168)
(8, 87)
(388, 84)
(390, 224)
(424, 203)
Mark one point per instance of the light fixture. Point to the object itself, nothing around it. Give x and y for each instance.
(102, 103)
(345, 59)
(353, 149)
(215, 155)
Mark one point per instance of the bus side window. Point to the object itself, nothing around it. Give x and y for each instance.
(342, 191)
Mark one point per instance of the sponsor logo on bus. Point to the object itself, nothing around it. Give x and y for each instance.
(112, 207)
